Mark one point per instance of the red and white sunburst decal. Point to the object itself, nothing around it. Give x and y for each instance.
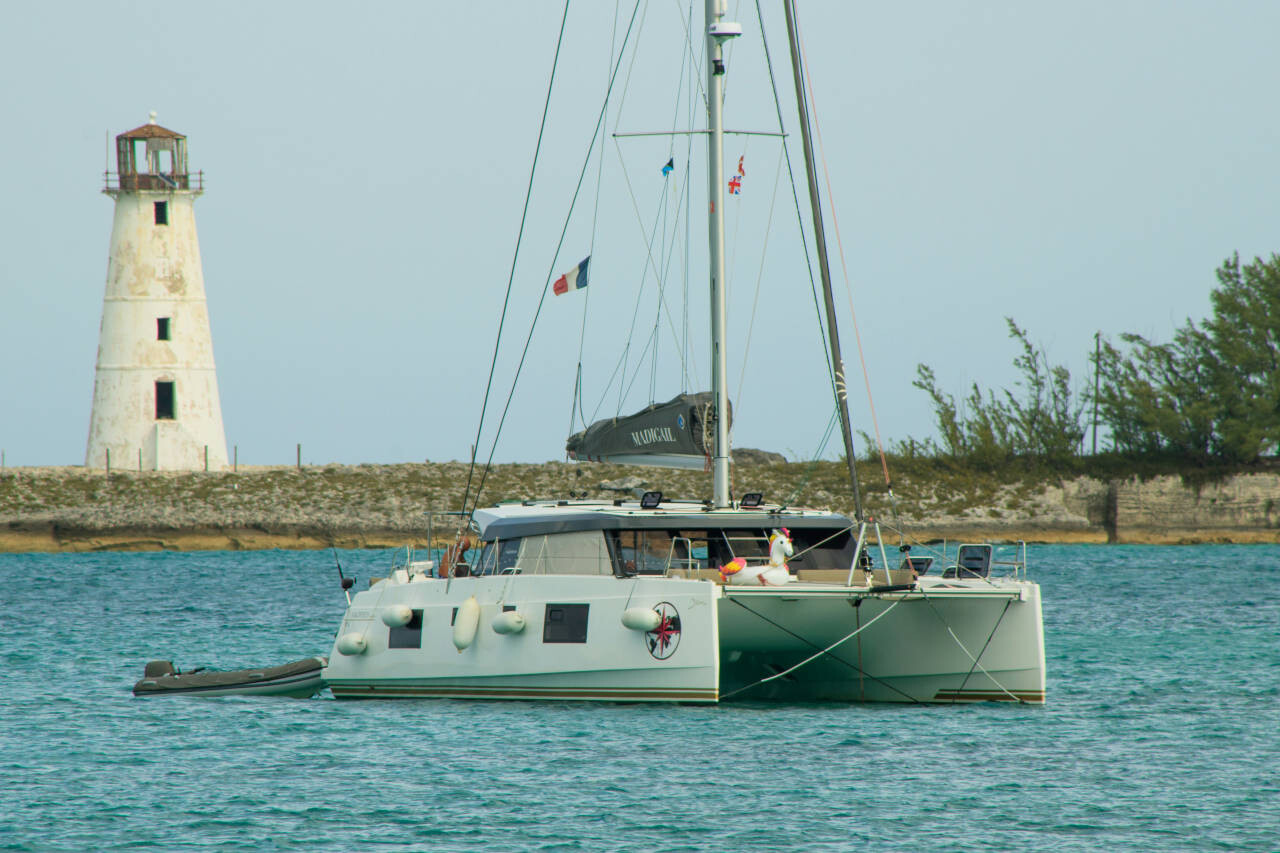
(662, 641)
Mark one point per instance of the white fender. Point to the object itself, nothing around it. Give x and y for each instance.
(396, 616)
(508, 622)
(352, 644)
(466, 623)
(641, 619)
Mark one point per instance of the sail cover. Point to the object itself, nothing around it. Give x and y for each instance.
(679, 433)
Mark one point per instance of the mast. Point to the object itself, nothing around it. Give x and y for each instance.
(718, 32)
(833, 331)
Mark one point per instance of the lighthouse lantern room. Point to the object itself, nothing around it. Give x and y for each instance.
(155, 390)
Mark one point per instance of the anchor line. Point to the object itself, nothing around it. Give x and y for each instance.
(969, 654)
(826, 651)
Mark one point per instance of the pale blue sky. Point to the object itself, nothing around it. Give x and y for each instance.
(1080, 167)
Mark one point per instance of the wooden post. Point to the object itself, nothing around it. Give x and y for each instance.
(206, 459)
(108, 461)
(139, 460)
(299, 456)
(235, 465)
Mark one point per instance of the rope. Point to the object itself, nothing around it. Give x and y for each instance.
(968, 654)
(855, 632)
(856, 669)
(524, 214)
(817, 456)
(576, 403)
(595, 134)
(795, 197)
(844, 268)
(755, 300)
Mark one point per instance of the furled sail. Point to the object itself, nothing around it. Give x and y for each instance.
(677, 434)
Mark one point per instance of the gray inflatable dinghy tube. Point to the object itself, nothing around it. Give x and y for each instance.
(301, 678)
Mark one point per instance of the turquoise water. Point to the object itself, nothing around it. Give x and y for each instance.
(1162, 730)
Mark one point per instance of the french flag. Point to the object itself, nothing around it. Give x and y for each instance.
(574, 279)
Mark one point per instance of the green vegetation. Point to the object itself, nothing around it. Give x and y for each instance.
(1043, 423)
(1209, 398)
(1212, 394)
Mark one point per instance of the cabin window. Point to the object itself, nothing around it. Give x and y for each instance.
(497, 557)
(162, 328)
(645, 552)
(831, 548)
(164, 401)
(565, 623)
(407, 636)
(162, 212)
(581, 552)
(749, 544)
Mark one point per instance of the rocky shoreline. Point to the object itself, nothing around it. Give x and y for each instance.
(372, 506)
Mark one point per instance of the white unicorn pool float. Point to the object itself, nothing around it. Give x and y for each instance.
(772, 573)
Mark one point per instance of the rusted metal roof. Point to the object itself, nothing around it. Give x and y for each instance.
(151, 131)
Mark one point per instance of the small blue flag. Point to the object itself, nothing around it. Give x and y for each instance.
(671, 164)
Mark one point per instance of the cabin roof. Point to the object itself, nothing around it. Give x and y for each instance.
(509, 521)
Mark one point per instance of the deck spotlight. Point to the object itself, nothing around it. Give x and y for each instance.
(650, 500)
(752, 499)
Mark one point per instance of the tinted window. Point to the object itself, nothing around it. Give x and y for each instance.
(409, 635)
(565, 623)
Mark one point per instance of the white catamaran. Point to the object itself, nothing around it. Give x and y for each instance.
(662, 600)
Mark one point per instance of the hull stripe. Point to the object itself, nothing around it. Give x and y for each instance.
(988, 696)
(360, 691)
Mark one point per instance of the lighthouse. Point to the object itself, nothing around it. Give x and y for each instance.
(155, 389)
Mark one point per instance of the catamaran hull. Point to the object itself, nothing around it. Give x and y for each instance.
(977, 641)
(974, 641)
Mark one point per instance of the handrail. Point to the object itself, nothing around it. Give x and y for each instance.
(166, 181)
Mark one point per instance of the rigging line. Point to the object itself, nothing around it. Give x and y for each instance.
(969, 674)
(626, 83)
(795, 197)
(595, 134)
(648, 342)
(817, 456)
(731, 245)
(668, 245)
(595, 216)
(844, 267)
(755, 300)
(827, 650)
(834, 657)
(693, 55)
(605, 393)
(649, 260)
(524, 214)
(969, 654)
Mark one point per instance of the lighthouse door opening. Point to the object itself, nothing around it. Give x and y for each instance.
(164, 401)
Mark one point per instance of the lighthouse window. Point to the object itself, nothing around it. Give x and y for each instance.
(162, 328)
(164, 401)
(162, 213)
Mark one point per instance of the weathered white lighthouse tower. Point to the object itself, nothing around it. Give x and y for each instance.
(155, 392)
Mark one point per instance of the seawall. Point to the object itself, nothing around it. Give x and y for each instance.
(75, 509)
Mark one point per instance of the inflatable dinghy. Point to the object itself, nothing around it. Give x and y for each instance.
(301, 678)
